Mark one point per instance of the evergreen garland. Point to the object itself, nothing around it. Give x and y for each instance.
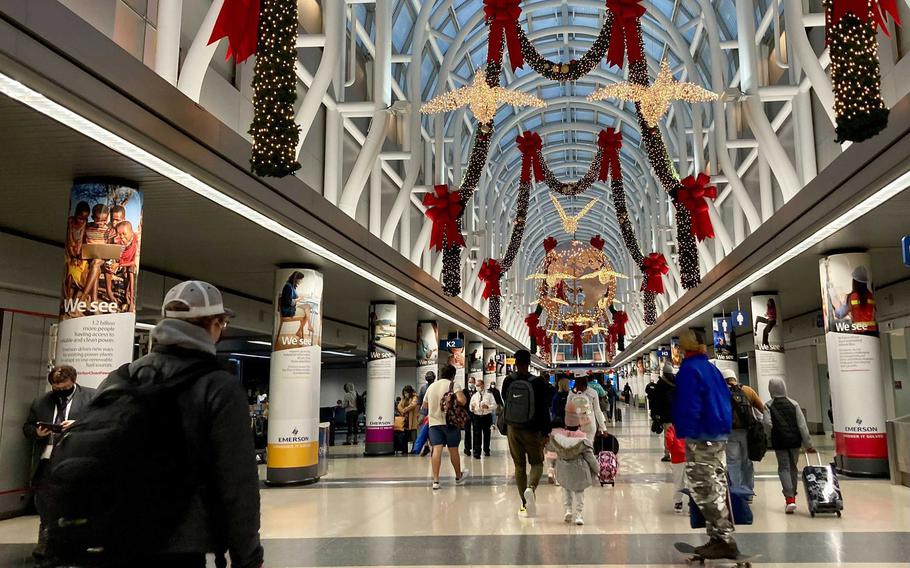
(275, 135)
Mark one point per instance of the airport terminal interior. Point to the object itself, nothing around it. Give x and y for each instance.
(686, 211)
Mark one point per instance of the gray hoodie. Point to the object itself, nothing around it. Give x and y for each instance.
(778, 389)
(349, 400)
(576, 465)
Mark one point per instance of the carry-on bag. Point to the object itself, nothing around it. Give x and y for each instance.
(608, 466)
(822, 488)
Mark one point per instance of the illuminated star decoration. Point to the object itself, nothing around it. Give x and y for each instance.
(481, 98)
(655, 100)
(570, 224)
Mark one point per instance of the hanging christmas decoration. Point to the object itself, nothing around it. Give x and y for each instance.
(654, 266)
(609, 141)
(850, 33)
(238, 21)
(443, 208)
(492, 268)
(623, 36)
(530, 144)
(574, 69)
(654, 100)
(570, 223)
(481, 98)
(275, 134)
(693, 194)
(502, 17)
(577, 341)
(620, 319)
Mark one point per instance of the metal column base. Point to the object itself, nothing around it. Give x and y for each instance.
(861, 467)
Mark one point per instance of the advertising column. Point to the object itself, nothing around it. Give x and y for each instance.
(770, 361)
(851, 337)
(475, 360)
(380, 393)
(427, 350)
(294, 377)
(455, 347)
(653, 359)
(489, 366)
(724, 344)
(98, 300)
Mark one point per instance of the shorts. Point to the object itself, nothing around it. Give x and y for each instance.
(448, 436)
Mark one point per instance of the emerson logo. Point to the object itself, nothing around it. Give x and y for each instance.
(293, 438)
(859, 428)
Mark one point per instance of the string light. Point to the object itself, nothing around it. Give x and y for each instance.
(518, 231)
(482, 99)
(570, 189)
(275, 134)
(654, 100)
(574, 69)
(570, 223)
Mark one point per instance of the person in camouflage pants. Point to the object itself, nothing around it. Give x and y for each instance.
(707, 477)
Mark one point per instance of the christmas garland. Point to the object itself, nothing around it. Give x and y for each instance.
(576, 187)
(492, 271)
(574, 69)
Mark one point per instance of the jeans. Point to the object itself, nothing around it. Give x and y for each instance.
(526, 447)
(787, 471)
(481, 426)
(707, 478)
(739, 466)
(578, 497)
(351, 417)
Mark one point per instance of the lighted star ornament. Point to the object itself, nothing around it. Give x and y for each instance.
(570, 223)
(481, 98)
(655, 100)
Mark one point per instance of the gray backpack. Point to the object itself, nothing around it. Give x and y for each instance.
(519, 402)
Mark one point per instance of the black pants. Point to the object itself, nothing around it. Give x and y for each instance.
(481, 427)
(468, 438)
(769, 325)
(351, 417)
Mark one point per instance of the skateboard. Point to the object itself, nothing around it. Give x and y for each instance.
(741, 561)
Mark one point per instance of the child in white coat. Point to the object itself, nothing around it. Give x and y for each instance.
(576, 468)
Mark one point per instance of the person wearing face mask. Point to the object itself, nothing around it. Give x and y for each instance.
(61, 406)
(469, 390)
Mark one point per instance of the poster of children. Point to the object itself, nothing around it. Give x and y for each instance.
(103, 236)
(299, 323)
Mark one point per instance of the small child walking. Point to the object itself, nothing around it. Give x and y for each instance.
(576, 468)
(677, 448)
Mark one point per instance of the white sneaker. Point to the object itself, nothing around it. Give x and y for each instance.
(523, 513)
(578, 520)
(435, 486)
(530, 502)
(461, 480)
(568, 516)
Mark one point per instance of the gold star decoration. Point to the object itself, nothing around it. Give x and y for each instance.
(603, 275)
(655, 100)
(552, 279)
(570, 224)
(595, 329)
(482, 99)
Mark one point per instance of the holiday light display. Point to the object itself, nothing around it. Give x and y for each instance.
(693, 195)
(481, 98)
(495, 271)
(570, 222)
(574, 69)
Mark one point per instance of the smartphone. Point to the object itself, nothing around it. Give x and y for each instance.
(55, 428)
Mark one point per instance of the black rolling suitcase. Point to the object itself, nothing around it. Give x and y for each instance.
(618, 413)
(822, 488)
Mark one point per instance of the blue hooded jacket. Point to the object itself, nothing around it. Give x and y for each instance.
(701, 403)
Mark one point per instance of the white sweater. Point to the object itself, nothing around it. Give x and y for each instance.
(480, 398)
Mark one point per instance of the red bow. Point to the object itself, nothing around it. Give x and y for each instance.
(620, 319)
(502, 16)
(692, 195)
(577, 344)
(532, 321)
(529, 145)
(542, 341)
(561, 290)
(612, 334)
(625, 31)
(597, 242)
(549, 243)
(490, 273)
(879, 10)
(238, 21)
(611, 141)
(654, 266)
(443, 208)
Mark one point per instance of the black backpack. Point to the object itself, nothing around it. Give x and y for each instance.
(519, 402)
(120, 478)
(742, 408)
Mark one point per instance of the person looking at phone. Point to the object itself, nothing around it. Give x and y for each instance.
(49, 416)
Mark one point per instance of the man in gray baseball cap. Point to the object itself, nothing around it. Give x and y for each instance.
(223, 514)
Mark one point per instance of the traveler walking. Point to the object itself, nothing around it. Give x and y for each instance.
(527, 401)
(558, 416)
(49, 416)
(660, 399)
(421, 446)
(351, 413)
(161, 469)
(677, 448)
(583, 410)
(702, 415)
(786, 427)
(469, 389)
(443, 434)
(482, 405)
(576, 468)
(627, 394)
(409, 410)
(743, 400)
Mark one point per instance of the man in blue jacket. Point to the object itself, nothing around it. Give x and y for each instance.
(702, 414)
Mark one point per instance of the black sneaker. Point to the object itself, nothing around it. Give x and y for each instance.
(665, 459)
(717, 549)
(487, 453)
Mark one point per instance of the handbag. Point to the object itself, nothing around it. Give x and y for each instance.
(455, 414)
(400, 423)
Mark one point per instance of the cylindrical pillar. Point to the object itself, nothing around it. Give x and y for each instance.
(455, 347)
(489, 366)
(475, 360)
(427, 350)
(770, 361)
(167, 45)
(380, 392)
(724, 344)
(98, 300)
(294, 378)
(852, 341)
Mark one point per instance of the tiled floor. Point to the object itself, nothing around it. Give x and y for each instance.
(382, 511)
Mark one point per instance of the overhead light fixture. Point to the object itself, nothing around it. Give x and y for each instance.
(259, 342)
(144, 326)
(251, 355)
(35, 100)
(889, 190)
(339, 353)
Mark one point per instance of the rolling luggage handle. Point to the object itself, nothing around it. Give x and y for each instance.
(817, 453)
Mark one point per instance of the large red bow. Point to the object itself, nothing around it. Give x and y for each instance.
(532, 321)
(502, 16)
(529, 144)
(549, 243)
(692, 194)
(543, 341)
(612, 334)
(654, 266)
(443, 208)
(238, 21)
(577, 343)
(490, 273)
(879, 10)
(620, 319)
(597, 242)
(625, 31)
(611, 141)
(561, 290)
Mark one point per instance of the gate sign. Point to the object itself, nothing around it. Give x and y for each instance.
(446, 344)
(905, 249)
